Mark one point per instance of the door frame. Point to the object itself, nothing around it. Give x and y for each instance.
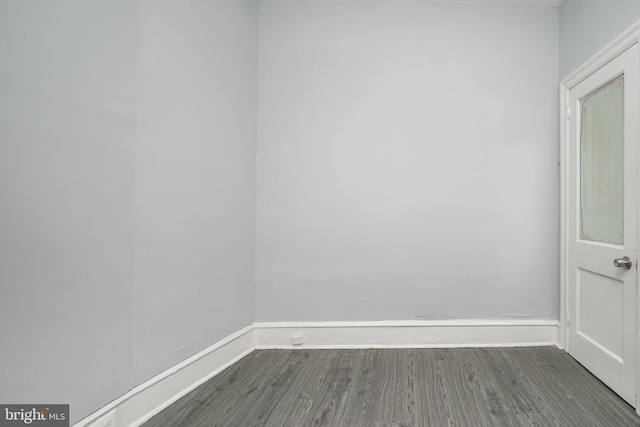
(618, 46)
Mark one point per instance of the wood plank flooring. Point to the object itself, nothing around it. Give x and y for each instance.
(539, 386)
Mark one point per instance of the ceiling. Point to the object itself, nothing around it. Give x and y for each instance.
(529, 3)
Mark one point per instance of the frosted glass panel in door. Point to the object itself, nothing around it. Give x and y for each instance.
(602, 164)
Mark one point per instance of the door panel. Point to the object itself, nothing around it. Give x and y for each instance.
(603, 223)
(600, 294)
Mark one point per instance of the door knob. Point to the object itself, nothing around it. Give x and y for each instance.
(624, 262)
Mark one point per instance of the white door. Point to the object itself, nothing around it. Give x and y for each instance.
(603, 164)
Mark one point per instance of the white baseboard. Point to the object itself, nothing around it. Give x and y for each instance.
(408, 334)
(149, 398)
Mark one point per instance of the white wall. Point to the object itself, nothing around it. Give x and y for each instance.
(407, 170)
(586, 26)
(195, 177)
(407, 162)
(127, 190)
(67, 127)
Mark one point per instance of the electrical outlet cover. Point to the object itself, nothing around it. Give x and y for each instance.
(296, 339)
(107, 420)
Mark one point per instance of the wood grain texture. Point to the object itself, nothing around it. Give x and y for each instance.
(539, 386)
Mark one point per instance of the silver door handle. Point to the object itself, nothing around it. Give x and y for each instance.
(624, 262)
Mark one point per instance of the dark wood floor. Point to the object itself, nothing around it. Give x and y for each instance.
(540, 386)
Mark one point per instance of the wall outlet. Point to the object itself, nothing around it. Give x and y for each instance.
(296, 339)
(107, 420)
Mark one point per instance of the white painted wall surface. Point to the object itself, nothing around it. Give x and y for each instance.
(67, 128)
(194, 192)
(127, 190)
(586, 26)
(407, 162)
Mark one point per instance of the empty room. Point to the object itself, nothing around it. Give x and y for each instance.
(319, 213)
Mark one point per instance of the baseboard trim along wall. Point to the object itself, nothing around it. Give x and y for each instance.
(149, 398)
(146, 400)
(407, 334)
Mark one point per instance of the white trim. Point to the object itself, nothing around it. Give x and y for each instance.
(563, 332)
(407, 334)
(612, 50)
(147, 399)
